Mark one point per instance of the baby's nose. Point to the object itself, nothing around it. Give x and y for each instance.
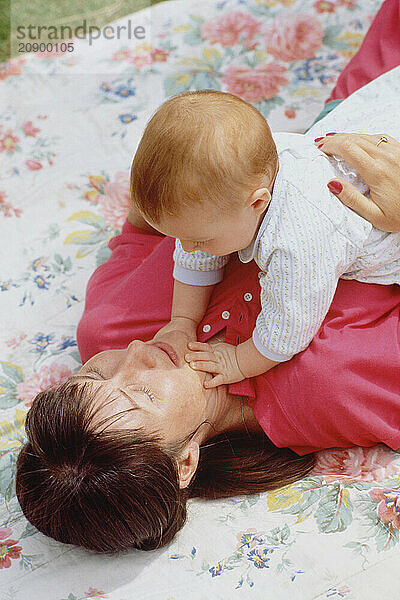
(188, 246)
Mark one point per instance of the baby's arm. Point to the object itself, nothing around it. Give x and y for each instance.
(195, 275)
(229, 363)
(189, 304)
(251, 362)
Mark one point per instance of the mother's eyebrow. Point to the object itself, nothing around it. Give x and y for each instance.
(94, 375)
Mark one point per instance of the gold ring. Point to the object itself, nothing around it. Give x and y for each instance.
(382, 139)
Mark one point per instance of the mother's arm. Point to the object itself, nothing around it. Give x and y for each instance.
(380, 168)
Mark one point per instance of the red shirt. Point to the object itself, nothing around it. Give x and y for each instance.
(343, 390)
(379, 52)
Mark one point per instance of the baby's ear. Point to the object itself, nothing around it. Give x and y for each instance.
(260, 200)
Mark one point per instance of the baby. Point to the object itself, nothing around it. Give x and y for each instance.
(208, 173)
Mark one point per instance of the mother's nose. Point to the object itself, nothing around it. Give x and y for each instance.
(140, 355)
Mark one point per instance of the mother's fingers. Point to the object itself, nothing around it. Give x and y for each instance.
(361, 150)
(353, 148)
(352, 198)
(378, 162)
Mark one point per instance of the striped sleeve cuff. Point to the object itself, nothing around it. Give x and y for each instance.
(266, 351)
(197, 277)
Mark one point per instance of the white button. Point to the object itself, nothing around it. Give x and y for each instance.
(248, 296)
(206, 328)
(226, 314)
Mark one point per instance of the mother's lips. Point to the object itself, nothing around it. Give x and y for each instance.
(168, 349)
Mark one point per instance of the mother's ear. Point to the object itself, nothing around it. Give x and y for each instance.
(187, 463)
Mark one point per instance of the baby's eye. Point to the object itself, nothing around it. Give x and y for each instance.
(200, 244)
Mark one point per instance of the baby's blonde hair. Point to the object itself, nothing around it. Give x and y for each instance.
(201, 146)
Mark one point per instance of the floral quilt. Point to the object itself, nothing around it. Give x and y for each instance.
(70, 122)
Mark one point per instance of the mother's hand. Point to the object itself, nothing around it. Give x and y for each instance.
(380, 168)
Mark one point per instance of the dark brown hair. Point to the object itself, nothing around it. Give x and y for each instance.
(199, 146)
(113, 489)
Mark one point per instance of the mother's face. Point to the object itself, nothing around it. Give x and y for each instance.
(167, 394)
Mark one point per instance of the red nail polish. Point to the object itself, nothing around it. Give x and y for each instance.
(320, 145)
(335, 187)
(332, 133)
(319, 139)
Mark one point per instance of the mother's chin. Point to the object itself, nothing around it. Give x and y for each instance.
(178, 340)
(219, 406)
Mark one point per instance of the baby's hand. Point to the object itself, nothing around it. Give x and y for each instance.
(216, 358)
(186, 325)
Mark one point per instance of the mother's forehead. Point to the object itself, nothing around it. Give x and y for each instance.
(101, 395)
(89, 383)
(97, 393)
(112, 409)
(105, 353)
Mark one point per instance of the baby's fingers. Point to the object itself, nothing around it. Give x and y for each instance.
(204, 365)
(205, 355)
(214, 382)
(202, 346)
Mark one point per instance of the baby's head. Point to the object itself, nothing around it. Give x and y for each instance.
(204, 170)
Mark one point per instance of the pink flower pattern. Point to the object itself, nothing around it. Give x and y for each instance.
(11, 68)
(230, 29)
(14, 342)
(324, 6)
(141, 58)
(96, 183)
(254, 84)
(8, 549)
(6, 208)
(46, 377)
(121, 55)
(114, 203)
(159, 55)
(23, 138)
(33, 165)
(389, 505)
(355, 464)
(290, 113)
(293, 37)
(348, 4)
(29, 129)
(95, 594)
(8, 141)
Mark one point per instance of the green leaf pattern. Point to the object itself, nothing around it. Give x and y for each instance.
(248, 544)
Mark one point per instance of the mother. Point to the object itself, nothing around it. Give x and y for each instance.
(114, 453)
